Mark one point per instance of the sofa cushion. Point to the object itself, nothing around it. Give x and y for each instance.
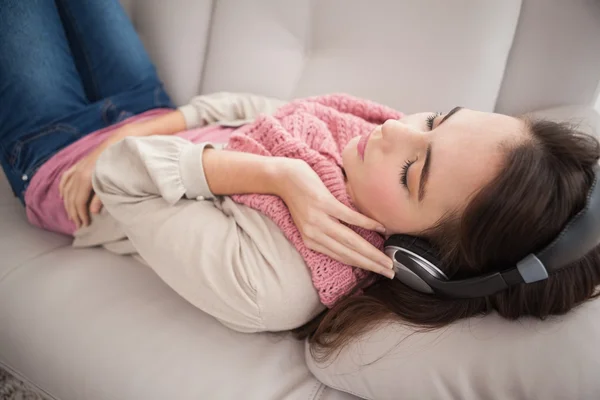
(19, 241)
(175, 36)
(411, 57)
(555, 57)
(480, 358)
(87, 324)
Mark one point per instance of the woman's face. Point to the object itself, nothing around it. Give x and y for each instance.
(408, 173)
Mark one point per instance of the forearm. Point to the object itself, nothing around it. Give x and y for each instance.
(231, 108)
(138, 169)
(226, 172)
(230, 172)
(166, 124)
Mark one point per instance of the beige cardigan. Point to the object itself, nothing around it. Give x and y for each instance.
(225, 258)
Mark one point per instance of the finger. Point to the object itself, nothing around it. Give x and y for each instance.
(70, 204)
(349, 216)
(66, 206)
(66, 196)
(72, 211)
(64, 179)
(81, 202)
(354, 251)
(335, 250)
(95, 204)
(353, 241)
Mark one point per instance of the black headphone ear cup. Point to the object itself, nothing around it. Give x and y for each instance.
(419, 246)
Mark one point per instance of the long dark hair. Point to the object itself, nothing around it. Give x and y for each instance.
(544, 183)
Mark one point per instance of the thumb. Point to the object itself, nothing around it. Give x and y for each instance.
(95, 205)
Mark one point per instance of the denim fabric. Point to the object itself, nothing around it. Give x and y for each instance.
(67, 68)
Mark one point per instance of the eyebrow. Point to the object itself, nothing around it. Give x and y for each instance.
(427, 163)
(425, 173)
(451, 113)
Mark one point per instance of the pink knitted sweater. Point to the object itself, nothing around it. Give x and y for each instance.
(315, 130)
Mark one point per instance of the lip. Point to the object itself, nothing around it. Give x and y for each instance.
(362, 145)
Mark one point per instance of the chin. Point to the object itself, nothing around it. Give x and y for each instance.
(350, 153)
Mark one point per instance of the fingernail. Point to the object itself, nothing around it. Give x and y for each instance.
(380, 229)
(389, 264)
(389, 274)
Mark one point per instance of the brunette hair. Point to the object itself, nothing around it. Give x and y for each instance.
(544, 182)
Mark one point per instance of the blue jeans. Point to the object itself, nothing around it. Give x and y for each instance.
(67, 68)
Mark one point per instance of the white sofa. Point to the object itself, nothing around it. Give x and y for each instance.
(85, 324)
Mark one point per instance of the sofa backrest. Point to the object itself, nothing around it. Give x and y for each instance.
(511, 56)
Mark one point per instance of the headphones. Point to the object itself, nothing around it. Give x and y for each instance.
(415, 260)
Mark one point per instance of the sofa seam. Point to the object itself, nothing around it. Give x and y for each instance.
(10, 271)
(27, 381)
(509, 56)
(360, 396)
(314, 391)
(209, 33)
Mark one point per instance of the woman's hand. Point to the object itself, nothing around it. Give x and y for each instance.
(317, 214)
(76, 183)
(76, 190)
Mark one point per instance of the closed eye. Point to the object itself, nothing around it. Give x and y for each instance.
(431, 119)
(404, 173)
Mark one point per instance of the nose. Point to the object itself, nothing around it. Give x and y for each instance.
(393, 129)
(390, 127)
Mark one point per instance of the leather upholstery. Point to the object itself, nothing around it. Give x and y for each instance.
(85, 324)
(292, 48)
(553, 60)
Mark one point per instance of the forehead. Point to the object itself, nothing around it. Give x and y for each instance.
(467, 153)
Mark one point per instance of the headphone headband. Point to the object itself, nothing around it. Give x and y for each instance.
(580, 235)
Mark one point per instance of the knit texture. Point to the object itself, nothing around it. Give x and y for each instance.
(315, 130)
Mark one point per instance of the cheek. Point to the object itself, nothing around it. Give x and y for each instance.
(381, 193)
(383, 198)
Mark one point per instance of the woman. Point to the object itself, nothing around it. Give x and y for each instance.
(479, 186)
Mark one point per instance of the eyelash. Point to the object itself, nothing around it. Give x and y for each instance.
(431, 119)
(408, 163)
(404, 173)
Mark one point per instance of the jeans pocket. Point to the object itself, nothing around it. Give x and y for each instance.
(30, 151)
